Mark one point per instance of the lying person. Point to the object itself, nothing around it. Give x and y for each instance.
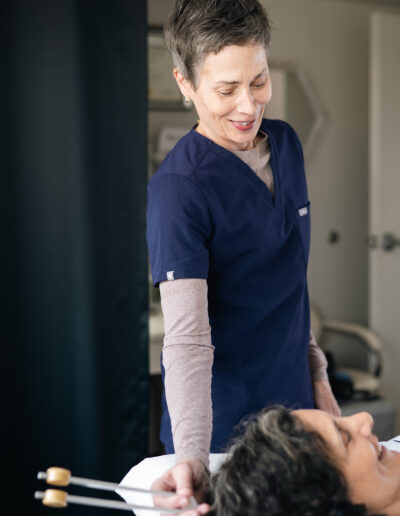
(291, 463)
(306, 463)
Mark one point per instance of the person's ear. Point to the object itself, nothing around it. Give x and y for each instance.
(183, 84)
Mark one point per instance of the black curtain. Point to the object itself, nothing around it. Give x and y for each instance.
(74, 262)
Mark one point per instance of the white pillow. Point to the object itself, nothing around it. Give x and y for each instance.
(146, 472)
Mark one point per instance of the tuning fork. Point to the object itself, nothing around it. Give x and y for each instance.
(62, 477)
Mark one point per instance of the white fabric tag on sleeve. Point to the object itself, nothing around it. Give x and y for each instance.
(170, 275)
(303, 211)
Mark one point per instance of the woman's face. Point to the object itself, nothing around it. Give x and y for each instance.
(233, 88)
(372, 473)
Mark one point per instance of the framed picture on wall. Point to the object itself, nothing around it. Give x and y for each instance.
(163, 92)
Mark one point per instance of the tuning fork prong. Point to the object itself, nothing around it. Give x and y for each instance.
(58, 499)
(62, 477)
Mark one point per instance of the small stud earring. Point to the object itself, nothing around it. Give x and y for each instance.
(187, 99)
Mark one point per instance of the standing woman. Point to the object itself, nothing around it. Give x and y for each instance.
(228, 231)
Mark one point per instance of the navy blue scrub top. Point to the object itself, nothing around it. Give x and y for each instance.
(210, 216)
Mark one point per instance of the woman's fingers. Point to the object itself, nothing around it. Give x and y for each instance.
(180, 479)
(180, 502)
(204, 508)
(171, 502)
(324, 398)
(183, 475)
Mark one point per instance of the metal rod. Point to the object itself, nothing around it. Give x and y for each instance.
(107, 486)
(111, 504)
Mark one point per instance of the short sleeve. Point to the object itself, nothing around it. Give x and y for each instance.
(178, 229)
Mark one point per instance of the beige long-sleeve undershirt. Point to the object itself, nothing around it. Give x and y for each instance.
(188, 351)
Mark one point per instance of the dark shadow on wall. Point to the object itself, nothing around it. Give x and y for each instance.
(75, 295)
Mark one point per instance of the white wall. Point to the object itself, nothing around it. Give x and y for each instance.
(330, 39)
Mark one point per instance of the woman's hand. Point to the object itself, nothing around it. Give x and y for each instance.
(324, 398)
(187, 478)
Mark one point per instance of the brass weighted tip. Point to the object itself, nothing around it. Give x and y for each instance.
(58, 476)
(55, 498)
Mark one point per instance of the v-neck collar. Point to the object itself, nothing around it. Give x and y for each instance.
(229, 156)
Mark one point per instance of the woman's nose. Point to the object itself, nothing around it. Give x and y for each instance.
(246, 103)
(361, 422)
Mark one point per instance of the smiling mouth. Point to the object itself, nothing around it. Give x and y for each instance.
(243, 123)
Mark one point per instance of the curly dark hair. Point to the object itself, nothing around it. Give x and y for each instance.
(278, 468)
(195, 28)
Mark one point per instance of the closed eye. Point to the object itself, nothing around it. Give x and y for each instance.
(345, 434)
(254, 85)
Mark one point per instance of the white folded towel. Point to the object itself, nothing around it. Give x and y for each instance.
(146, 472)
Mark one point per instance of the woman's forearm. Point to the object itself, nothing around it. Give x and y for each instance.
(317, 361)
(187, 360)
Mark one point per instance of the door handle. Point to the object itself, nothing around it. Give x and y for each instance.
(389, 242)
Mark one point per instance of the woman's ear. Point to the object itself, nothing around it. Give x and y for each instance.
(183, 84)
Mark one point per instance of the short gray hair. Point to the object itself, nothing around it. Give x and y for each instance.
(195, 28)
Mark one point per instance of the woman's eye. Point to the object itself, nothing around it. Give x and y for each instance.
(259, 85)
(225, 92)
(345, 436)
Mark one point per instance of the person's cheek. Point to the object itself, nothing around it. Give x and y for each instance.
(266, 95)
(213, 108)
(221, 107)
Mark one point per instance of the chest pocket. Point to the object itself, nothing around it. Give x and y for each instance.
(301, 218)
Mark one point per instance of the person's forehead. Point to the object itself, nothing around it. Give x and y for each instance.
(321, 422)
(314, 417)
(233, 60)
